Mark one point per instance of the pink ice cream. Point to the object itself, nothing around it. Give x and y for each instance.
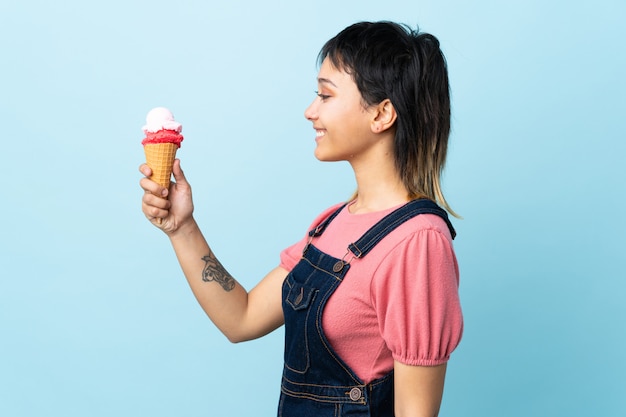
(161, 127)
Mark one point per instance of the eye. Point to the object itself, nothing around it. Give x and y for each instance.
(322, 96)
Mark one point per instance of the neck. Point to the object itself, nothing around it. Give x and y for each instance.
(379, 186)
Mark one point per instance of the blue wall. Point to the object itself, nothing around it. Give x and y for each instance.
(95, 315)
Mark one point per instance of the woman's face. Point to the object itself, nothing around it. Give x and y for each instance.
(343, 130)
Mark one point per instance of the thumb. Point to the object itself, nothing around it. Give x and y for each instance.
(179, 175)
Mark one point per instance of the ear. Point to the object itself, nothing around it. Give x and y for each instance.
(384, 116)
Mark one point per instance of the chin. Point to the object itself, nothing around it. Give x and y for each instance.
(326, 158)
(319, 155)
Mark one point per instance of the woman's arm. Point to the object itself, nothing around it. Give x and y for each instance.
(239, 315)
(418, 389)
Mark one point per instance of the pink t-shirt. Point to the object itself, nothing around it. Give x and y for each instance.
(398, 302)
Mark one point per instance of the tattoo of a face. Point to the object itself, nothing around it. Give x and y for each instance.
(214, 271)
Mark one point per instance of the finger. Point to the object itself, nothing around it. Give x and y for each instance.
(145, 169)
(152, 187)
(148, 185)
(151, 200)
(179, 175)
(154, 207)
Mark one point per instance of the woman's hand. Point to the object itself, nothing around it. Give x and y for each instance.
(167, 209)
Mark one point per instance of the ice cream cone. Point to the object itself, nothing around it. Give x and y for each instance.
(160, 157)
(162, 140)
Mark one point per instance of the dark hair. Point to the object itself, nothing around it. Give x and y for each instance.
(391, 61)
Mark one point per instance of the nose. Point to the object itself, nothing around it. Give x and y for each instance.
(311, 112)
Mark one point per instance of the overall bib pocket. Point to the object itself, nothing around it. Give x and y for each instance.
(299, 298)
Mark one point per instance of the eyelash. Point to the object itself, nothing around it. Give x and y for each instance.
(322, 96)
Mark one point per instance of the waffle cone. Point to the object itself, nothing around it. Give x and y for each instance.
(160, 157)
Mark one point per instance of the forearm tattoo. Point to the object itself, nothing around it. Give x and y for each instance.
(214, 271)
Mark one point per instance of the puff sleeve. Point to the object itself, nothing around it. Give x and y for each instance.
(415, 295)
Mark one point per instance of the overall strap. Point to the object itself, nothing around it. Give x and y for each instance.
(394, 219)
(320, 227)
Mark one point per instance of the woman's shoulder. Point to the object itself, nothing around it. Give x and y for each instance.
(428, 222)
(421, 224)
(420, 231)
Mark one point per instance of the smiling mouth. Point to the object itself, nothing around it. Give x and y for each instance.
(319, 133)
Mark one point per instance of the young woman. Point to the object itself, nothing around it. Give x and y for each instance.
(369, 297)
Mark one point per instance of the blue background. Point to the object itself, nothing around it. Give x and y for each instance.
(96, 318)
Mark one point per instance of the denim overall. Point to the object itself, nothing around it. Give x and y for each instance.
(316, 381)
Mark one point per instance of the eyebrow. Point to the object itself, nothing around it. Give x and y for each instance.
(326, 81)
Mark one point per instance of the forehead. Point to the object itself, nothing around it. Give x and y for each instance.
(330, 74)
